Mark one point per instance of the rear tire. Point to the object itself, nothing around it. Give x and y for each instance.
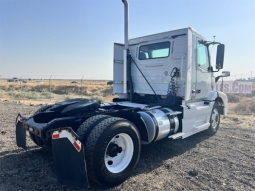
(214, 120)
(112, 151)
(37, 140)
(86, 127)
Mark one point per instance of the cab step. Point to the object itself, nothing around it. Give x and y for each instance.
(176, 136)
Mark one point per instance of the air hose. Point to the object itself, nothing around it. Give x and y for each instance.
(172, 87)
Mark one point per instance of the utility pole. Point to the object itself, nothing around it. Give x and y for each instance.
(50, 86)
(81, 84)
(20, 82)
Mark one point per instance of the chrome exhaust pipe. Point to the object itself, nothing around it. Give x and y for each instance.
(126, 23)
(125, 2)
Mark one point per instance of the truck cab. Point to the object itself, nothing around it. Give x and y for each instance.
(172, 67)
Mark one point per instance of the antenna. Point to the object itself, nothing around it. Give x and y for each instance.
(213, 41)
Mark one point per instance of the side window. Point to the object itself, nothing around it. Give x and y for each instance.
(156, 50)
(202, 56)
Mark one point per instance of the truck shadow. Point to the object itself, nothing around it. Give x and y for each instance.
(154, 155)
(35, 168)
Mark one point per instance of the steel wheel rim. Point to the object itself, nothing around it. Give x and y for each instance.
(215, 118)
(119, 162)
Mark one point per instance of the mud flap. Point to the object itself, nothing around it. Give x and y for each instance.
(69, 159)
(20, 133)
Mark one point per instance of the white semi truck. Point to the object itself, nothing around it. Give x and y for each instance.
(165, 83)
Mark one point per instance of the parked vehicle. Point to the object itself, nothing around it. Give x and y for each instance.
(110, 83)
(165, 86)
(13, 80)
(74, 82)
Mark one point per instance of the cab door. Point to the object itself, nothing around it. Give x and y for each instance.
(118, 69)
(203, 72)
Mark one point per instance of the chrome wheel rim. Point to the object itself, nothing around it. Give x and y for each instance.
(215, 118)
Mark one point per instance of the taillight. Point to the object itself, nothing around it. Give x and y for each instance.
(26, 127)
(36, 132)
(77, 146)
(31, 129)
(55, 135)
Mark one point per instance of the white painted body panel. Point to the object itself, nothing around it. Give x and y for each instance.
(157, 71)
(196, 117)
(204, 77)
(118, 70)
(224, 98)
(211, 95)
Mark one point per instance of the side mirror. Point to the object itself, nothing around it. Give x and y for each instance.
(225, 74)
(220, 56)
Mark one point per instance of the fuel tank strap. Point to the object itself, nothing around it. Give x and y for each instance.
(156, 125)
(171, 121)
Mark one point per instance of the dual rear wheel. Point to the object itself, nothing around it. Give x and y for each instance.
(112, 148)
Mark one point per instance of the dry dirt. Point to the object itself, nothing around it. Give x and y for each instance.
(225, 161)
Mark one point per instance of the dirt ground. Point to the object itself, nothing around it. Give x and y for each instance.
(225, 161)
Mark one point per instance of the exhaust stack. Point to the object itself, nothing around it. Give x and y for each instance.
(126, 23)
(125, 2)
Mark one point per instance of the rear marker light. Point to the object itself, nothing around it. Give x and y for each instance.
(65, 134)
(21, 120)
(55, 135)
(77, 146)
(36, 132)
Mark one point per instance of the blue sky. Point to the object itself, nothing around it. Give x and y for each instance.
(72, 38)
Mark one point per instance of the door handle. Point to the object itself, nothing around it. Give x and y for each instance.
(196, 91)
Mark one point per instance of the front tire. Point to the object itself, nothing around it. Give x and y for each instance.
(112, 151)
(214, 119)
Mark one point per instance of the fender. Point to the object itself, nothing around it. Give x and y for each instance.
(220, 97)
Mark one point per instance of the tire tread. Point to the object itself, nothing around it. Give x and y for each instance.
(92, 140)
(88, 123)
(210, 131)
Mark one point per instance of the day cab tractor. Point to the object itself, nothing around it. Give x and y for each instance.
(165, 87)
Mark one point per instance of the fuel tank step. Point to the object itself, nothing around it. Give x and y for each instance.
(176, 136)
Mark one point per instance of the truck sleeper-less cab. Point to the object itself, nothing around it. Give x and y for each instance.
(165, 84)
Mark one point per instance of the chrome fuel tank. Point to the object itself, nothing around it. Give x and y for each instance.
(160, 123)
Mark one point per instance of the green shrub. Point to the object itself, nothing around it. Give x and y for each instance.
(108, 91)
(31, 95)
(252, 105)
(245, 106)
(2, 92)
(67, 97)
(47, 95)
(233, 98)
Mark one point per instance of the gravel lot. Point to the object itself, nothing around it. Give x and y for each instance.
(225, 161)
